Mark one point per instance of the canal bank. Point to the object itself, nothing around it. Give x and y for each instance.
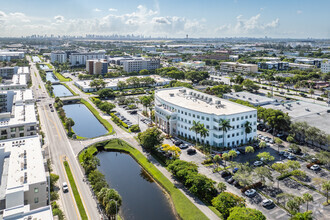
(183, 207)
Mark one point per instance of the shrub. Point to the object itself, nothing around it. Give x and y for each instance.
(135, 128)
(283, 176)
(207, 161)
(225, 201)
(118, 121)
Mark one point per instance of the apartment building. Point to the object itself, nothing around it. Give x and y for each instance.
(14, 78)
(8, 72)
(24, 177)
(325, 66)
(10, 55)
(238, 67)
(273, 65)
(58, 56)
(301, 66)
(18, 114)
(177, 108)
(137, 65)
(97, 66)
(310, 61)
(78, 59)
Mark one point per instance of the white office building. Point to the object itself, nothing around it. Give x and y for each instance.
(78, 59)
(253, 99)
(24, 177)
(238, 67)
(137, 65)
(177, 108)
(58, 56)
(325, 66)
(10, 55)
(18, 114)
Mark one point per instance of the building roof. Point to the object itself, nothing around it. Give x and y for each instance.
(249, 97)
(200, 102)
(24, 213)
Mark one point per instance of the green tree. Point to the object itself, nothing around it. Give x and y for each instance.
(97, 83)
(221, 187)
(281, 168)
(262, 144)
(247, 129)
(245, 213)
(144, 72)
(266, 157)
(307, 198)
(238, 88)
(196, 76)
(225, 157)
(232, 154)
(293, 206)
(263, 173)
(290, 139)
(69, 123)
(302, 216)
(225, 201)
(249, 149)
(150, 138)
(250, 86)
(224, 126)
(121, 85)
(326, 188)
(106, 93)
(278, 142)
(293, 165)
(196, 128)
(217, 159)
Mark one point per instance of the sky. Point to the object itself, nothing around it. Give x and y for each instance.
(167, 18)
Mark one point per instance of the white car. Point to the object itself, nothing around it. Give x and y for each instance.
(65, 187)
(315, 167)
(258, 163)
(250, 192)
(267, 202)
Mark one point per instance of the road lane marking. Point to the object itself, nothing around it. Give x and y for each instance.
(59, 135)
(82, 198)
(68, 182)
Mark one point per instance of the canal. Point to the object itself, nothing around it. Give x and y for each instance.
(51, 77)
(142, 197)
(86, 125)
(61, 91)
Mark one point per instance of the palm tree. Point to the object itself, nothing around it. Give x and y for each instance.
(232, 154)
(224, 126)
(311, 91)
(326, 187)
(204, 132)
(278, 142)
(248, 129)
(249, 149)
(196, 128)
(168, 117)
(221, 186)
(225, 157)
(216, 160)
(307, 198)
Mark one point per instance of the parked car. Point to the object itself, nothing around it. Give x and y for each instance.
(235, 170)
(184, 146)
(257, 163)
(267, 203)
(230, 180)
(236, 184)
(315, 167)
(65, 187)
(250, 192)
(225, 174)
(291, 157)
(178, 143)
(191, 151)
(286, 154)
(281, 152)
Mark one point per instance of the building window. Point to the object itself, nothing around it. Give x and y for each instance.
(233, 119)
(13, 129)
(237, 126)
(36, 200)
(207, 119)
(250, 116)
(242, 117)
(193, 115)
(237, 118)
(233, 135)
(21, 128)
(237, 134)
(255, 115)
(242, 133)
(254, 130)
(207, 126)
(255, 123)
(189, 114)
(246, 116)
(202, 117)
(36, 190)
(228, 136)
(197, 116)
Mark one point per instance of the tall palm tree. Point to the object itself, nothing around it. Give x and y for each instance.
(307, 198)
(326, 188)
(224, 126)
(248, 129)
(204, 132)
(168, 117)
(196, 128)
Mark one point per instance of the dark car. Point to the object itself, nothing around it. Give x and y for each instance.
(236, 184)
(231, 180)
(178, 143)
(225, 174)
(191, 151)
(133, 112)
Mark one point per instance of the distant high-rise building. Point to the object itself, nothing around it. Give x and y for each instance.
(97, 66)
(77, 59)
(59, 56)
(137, 65)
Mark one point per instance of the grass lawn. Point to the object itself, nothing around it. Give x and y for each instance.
(61, 77)
(183, 206)
(75, 191)
(105, 123)
(68, 87)
(50, 66)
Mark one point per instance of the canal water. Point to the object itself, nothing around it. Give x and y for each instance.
(142, 198)
(86, 125)
(44, 66)
(51, 77)
(61, 91)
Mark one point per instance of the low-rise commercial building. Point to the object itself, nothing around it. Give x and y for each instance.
(79, 59)
(311, 61)
(24, 178)
(10, 55)
(238, 67)
(58, 56)
(275, 65)
(301, 66)
(112, 83)
(177, 108)
(192, 64)
(97, 66)
(253, 99)
(137, 65)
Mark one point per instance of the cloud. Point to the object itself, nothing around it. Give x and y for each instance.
(245, 27)
(97, 10)
(59, 18)
(113, 9)
(299, 12)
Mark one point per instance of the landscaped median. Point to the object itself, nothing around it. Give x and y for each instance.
(75, 191)
(68, 87)
(61, 77)
(183, 206)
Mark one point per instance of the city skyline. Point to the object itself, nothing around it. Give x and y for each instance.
(216, 19)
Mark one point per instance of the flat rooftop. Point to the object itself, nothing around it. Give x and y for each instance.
(249, 97)
(314, 114)
(23, 213)
(200, 102)
(26, 162)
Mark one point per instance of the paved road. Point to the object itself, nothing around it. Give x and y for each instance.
(58, 144)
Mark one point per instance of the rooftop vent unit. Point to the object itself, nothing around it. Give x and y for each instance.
(171, 94)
